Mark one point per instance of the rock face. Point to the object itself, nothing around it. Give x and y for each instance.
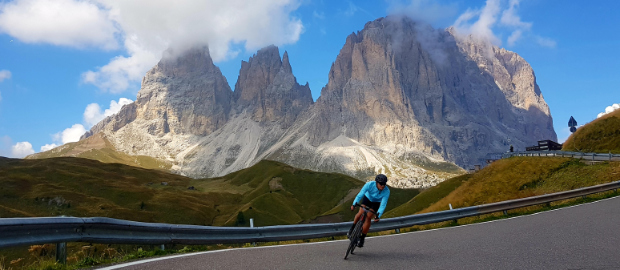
(402, 99)
(401, 94)
(267, 89)
(268, 100)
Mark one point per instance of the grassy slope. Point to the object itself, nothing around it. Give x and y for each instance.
(428, 197)
(83, 187)
(97, 147)
(397, 197)
(521, 177)
(270, 192)
(301, 196)
(601, 136)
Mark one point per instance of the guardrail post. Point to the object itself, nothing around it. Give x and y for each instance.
(252, 226)
(505, 213)
(397, 230)
(162, 247)
(455, 220)
(61, 252)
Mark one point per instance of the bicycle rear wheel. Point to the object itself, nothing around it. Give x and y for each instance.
(355, 237)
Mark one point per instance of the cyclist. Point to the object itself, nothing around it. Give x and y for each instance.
(374, 195)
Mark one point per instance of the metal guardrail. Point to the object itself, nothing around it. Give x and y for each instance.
(29, 231)
(580, 155)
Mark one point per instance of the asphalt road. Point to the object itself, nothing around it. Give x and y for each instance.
(580, 237)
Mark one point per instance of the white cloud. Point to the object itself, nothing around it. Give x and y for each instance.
(145, 28)
(609, 109)
(151, 26)
(93, 114)
(71, 134)
(423, 10)
(4, 74)
(351, 10)
(48, 147)
(511, 18)
(487, 20)
(118, 75)
(73, 23)
(318, 15)
(21, 149)
(482, 28)
(546, 42)
(512, 39)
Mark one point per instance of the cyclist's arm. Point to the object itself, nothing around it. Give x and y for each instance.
(360, 195)
(384, 202)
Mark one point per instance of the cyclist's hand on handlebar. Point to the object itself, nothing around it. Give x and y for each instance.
(376, 219)
(352, 207)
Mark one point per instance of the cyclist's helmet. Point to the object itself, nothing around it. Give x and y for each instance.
(381, 179)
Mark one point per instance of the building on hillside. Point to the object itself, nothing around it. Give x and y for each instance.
(546, 145)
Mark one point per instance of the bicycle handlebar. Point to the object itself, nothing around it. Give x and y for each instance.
(367, 209)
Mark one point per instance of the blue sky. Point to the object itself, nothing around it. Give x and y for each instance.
(63, 62)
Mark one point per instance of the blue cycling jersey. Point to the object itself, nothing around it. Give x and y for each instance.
(371, 192)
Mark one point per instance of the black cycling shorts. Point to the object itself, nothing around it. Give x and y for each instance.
(373, 205)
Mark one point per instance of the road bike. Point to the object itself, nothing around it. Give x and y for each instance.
(356, 234)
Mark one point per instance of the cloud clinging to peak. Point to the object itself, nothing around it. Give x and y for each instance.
(482, 28)
(495, 15)
(151, 26)
(427, 11)
(143, 29)
(93, 113)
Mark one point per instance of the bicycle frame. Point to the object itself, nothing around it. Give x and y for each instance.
(356, 234)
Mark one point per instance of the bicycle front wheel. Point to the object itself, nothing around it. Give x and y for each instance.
(355, 238)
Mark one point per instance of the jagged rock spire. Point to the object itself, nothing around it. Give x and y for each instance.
(268, 90)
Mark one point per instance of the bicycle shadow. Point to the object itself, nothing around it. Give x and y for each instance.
(379, 256)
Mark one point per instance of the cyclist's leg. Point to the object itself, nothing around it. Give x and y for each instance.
(369, 218)
(358, 215)
(357, 218)
(365, 229)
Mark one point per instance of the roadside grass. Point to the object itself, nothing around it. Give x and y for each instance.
(427, 197)
(521, 177)
(511, 213)
(600, 136)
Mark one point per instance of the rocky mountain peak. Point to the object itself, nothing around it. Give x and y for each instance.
(268, 90)
(185, 93)
(402, 99)
(285, 63)
(412, 91)
(193, 62)
(256, 75)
